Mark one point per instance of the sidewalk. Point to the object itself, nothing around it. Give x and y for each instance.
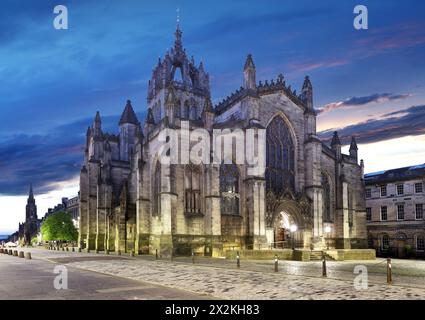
(255, 279)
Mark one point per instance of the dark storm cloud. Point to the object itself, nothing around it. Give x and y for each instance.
(361, 101)
(45, 159)
(407, 122)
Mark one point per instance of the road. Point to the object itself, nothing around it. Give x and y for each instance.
(34, 279)
(100, 276)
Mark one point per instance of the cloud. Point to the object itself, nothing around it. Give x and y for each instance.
(401, 35)
(305, 67)
(361, 101)
(405, 122)
(46, 160)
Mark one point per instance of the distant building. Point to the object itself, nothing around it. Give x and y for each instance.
(31, 227)
(71, 206)
(395, 201)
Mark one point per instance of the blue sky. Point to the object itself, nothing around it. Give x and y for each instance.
(369, 83)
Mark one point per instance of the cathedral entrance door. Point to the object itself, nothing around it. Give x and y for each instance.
(282, 230)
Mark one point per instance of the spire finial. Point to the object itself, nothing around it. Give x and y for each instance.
(31, 193)
(178, 33)
(178, 18)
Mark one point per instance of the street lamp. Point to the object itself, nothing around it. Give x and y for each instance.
(293, 229)
(328, 230)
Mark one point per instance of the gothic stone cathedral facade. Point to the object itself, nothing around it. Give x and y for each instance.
(131, 202)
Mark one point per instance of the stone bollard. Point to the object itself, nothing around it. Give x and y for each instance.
(324, 271)
(9, 252)
(238, 260)
(15, 253)
(276, 263)
(389, 272)
(28, 255)
(21, 254)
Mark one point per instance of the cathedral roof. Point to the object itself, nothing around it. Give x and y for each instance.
(129, 116)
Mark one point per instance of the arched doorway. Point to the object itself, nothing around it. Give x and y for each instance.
(288, 222)
(284, 230)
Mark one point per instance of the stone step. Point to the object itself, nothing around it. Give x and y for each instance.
(317, 256)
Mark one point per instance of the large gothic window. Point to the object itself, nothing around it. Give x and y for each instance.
(229, 189)
(280, 157)
(192, 189)
(186, 110)
(326, 198)
(156, 208)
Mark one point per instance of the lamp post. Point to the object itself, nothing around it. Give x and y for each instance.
(328, 232)
(293, 229)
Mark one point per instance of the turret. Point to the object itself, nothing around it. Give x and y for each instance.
(307, 93)
(170, 104)
(249, 73)
(128, 124)
(97, 126)
(208, 113)
(353, 148)
(336, 145)
(149, 122)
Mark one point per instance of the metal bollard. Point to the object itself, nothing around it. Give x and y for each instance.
(238, 260)
(67, 249)
(193, 257)
(389, 272)
(28, 255)
(73, 249)
(156, 254)
(21, 254)
(276, 263)
(79, 249)
(324, 271)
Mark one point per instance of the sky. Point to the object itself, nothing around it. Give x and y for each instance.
(368, 83)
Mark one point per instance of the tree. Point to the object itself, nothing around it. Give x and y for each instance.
(59, 226)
